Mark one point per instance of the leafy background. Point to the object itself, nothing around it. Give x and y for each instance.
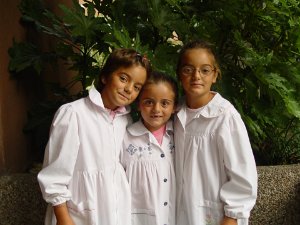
(258, 45)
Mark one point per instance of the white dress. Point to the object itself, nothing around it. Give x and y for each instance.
(215, 168)
(150, 171)
(82, 167)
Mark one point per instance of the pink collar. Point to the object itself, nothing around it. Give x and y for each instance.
(159, 134)
(113, 113)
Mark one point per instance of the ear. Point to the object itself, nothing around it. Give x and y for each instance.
(174, 109)
(215, 76)
(103, 80)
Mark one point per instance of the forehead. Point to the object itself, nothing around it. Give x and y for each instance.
(136, 73)
(197, 57)
(162, 90)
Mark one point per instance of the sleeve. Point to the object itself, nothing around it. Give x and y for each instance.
(60, 157)
(239, 193)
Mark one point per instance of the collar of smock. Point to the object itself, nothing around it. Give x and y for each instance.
(214, 108)
(138, 128)
(95, 97)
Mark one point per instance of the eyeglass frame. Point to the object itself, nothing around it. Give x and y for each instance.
(194, 69)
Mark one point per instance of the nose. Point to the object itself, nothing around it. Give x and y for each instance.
(156, 107)
(128, 88)
(197, 74)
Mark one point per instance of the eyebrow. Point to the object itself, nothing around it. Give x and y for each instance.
(164, 99)
(128, 75)
(194, 66)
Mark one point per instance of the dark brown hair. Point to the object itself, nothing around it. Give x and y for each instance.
(198, 44)
(123, 57)
(160, 77)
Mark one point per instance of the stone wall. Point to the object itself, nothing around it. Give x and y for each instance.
(278, 200)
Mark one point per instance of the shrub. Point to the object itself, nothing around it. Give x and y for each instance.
(258, 43)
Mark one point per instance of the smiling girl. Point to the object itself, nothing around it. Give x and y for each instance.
(148, 154)
(82, 178)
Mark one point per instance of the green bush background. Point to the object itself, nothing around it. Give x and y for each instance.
(258, 44)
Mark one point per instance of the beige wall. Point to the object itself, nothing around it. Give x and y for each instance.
(15, 99)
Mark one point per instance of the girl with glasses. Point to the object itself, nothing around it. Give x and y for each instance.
(215, 168)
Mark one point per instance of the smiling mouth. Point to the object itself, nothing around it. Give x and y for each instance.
(124, 96)
(155, 116)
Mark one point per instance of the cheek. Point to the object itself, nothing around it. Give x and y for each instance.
(184, 79)
(134, 95)
(184, 83)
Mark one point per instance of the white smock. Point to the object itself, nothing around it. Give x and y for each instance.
(82, 167)
(150, 171)
(215, 167)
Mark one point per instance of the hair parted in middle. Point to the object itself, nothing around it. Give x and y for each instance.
(160, 77)
(198, 44)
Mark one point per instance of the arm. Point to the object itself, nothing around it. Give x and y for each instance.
(62, 215)
(228, 221)
(60, 157)
(239, 192)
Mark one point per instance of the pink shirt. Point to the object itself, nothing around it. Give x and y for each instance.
(158, 134)
(112, 113)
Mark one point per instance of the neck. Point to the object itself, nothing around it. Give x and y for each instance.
(197, 102)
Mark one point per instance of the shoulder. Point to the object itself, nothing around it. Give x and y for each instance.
(218, 106)
(231, 118)
(137, 129)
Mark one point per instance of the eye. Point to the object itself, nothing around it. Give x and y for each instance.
(206, 70)
(166, 103)
(148, 102)
(137, 88)
(188, 69)
(123, 78)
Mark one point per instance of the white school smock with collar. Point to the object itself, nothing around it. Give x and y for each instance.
(215, 167)
(151, 175)
(82, 164)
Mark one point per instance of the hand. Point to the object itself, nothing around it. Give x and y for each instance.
(66, 221)
(62, 215)
(228, 221)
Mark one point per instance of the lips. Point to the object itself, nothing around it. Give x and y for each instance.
(155, 116)
(124, 96)
(197, 85)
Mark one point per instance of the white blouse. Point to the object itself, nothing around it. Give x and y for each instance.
(150, 171)
(215, 167)
(81, 164)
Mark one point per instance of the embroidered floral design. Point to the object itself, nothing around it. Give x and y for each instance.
(140, 150)
(209, 220)
(212, 218)
(171, 147)
(131, 149)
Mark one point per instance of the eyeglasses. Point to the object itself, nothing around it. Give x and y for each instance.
(204, 70)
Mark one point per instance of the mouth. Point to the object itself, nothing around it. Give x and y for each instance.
(155, 116)
(197, 84)
(124, 96)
